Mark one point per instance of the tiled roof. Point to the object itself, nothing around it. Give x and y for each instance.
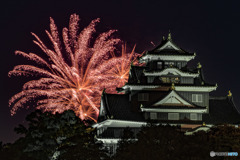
(179, 122)
(222, 110)
(200, 80)
(184, 70)
(170, 52)
(119, 107)
(175, 107)
(136, 73)
(166, 93)
(137, 77)
(169, 84)
(163, 42)
(189, 69)
(159, 96)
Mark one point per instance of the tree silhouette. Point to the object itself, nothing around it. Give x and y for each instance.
(168, 142)
(52, 137)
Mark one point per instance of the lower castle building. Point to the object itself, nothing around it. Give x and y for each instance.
(165, 90)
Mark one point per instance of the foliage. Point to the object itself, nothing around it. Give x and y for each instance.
(14, 151)
(225, 138)
(48, 136)
(127, 139)
(65, 137)
(149, 144)
(168, 142)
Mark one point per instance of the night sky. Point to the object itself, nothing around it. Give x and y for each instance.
(209, 28)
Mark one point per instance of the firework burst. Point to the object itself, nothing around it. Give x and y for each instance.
(118, 75)
(75, 73)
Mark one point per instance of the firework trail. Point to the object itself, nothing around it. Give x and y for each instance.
(75, 73)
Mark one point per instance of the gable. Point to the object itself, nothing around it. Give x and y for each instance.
(174, 72)
(169, 46)
(173, 99)
(171, 71)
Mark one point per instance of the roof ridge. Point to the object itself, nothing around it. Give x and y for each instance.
(116, 94)
(231, 101)
(217, 97)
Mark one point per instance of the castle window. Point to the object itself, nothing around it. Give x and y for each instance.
(143, 96)
(200, 117)
(184, 116)
(196, 98)
(173, 116)
(150, 79)
(179, 65)
(193, 116)
(165, 79)
(159, 65)
(153, 115)
(170, 79)
(167, 64)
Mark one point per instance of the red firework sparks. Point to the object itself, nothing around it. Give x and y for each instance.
(73, 80)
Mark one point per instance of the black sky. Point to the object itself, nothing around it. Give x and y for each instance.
(209, 28)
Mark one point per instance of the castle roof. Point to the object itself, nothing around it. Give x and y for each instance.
(118, 107)
(172, 100)
(137, 76)
(168, 47)
(166, 84)
(222, 110)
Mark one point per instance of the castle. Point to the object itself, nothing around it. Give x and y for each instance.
(165, 90)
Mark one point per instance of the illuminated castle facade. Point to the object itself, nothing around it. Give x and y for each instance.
(165, 90)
